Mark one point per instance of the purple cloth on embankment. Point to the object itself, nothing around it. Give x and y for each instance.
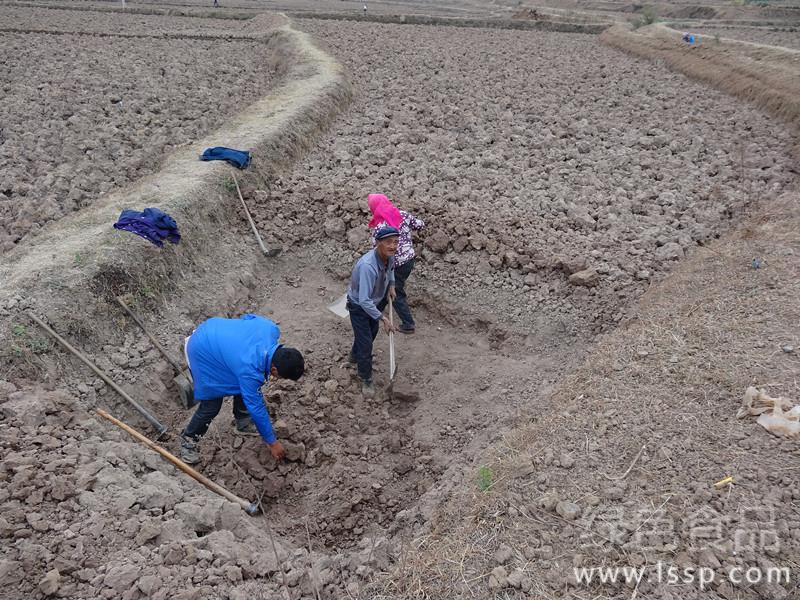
(152, 224)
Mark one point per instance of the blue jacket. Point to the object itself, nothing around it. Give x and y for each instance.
(369, 282)
(233, 357)
(152, 224)
(238, 158)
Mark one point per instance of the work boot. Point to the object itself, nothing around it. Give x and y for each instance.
(367, 389)
(190, 453)
(405, 328)
(246, 427)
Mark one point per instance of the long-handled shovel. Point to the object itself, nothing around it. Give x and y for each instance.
(178, 367)
(251, 508)
(159, 427)
(339, 307)
(183, 377)
(267, 252)
(392, 363)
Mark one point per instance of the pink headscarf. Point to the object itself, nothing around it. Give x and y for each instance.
(383, 210)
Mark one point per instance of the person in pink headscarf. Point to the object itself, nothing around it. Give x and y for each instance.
(385, 213)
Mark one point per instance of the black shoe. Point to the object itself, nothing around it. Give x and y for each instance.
(190, 453)
(246, 427)
(368, 389)
(407, 329)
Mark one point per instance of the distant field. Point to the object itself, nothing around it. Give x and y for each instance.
(758, 35)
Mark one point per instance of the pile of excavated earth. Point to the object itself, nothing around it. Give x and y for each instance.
(559, 179)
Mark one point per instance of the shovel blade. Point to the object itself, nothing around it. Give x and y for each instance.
(185, 389)
(339, 308)
(392, 361)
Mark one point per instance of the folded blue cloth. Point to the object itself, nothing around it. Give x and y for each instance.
(152, 224)
(238, 158)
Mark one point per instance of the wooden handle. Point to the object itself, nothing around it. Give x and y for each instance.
(249, 507)
(249, 218)
(178, 368)
(142, 410)
(391, 343)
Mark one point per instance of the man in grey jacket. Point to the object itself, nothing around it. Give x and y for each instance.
(371, 286)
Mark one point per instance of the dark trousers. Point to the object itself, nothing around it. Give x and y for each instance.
(365, 328)
(400, 303)
(207, 410)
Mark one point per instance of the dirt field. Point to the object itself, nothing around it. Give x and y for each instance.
(84, 115)
(250, 7)
(787, 38)
(116, 23)
(615, 167)
(609, 260)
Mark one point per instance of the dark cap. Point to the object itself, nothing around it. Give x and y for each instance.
(385, 232)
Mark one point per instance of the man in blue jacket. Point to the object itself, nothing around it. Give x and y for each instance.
(235, 357)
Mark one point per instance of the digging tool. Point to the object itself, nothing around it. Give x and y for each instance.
(183, 376)
(185, 388)
(160, 428)
(178, 368)
(339, 308)
(251, 508)
(267, 252)
(392, 363)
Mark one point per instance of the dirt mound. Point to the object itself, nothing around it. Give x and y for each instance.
(86, 514)
(345, 477)
(625, 466)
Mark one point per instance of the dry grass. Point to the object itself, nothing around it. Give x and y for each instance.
(767, 76)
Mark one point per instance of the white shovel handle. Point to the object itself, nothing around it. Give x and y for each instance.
(391, 343)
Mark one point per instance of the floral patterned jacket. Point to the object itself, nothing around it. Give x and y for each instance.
(405, 246)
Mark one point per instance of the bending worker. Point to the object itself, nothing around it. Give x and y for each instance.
(235, 357)
(371, 286)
